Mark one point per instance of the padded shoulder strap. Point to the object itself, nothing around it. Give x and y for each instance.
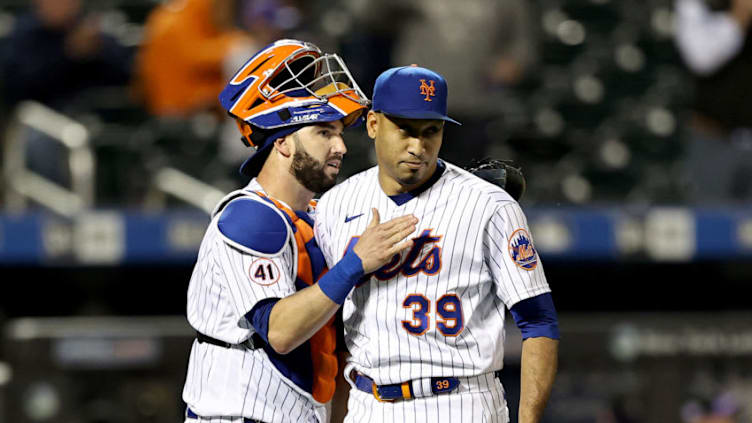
(252, 225)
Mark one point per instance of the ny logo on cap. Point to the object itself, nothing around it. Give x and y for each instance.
(427, 90)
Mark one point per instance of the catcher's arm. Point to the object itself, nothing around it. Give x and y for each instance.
(502, 173)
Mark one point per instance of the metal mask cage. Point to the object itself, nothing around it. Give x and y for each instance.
(327, 70)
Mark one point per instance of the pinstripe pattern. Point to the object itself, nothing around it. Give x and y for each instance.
(216, 420)
(227, 384)
(475, 220)
(220, 420)
(486, 404)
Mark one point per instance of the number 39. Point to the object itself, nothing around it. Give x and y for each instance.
(449, 319)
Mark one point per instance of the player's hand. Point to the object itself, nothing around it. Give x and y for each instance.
(381, 241)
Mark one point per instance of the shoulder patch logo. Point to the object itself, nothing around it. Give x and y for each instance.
(264, 272)
(522, 251)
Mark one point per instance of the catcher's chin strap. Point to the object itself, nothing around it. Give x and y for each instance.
(502, 173)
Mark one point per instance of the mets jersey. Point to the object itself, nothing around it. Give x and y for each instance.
(437, 309)
(228, 280)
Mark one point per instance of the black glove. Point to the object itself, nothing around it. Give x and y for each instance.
(501, 173)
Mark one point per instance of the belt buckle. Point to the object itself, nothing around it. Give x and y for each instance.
(377, 395)
(401, 391)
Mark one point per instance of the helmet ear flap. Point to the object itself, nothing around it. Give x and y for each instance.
(245, 131)
(250, 137)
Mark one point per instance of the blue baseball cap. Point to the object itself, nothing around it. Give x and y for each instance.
(411, 92)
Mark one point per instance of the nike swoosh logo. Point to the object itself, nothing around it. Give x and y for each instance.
(347, 219)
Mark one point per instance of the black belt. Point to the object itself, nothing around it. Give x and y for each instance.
(252, 343)
(189, 414)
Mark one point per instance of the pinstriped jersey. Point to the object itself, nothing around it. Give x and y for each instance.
(225, 285)
(437, 309)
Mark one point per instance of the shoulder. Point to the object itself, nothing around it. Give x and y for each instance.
(349, 185)
(254, 226)
(489, 193)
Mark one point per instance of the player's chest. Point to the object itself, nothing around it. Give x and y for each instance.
(437, 242)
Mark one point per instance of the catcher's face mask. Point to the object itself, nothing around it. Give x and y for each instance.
(292, 82)
(286, 85)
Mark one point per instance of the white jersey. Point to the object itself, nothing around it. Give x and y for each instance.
(438, 309)
(237, 381)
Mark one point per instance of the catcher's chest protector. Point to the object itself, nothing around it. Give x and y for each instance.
(311, 266)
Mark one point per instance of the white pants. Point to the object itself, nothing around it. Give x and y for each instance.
(481, 401)
(215, 420)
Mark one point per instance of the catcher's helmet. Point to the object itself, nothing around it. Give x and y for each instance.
(287, 85)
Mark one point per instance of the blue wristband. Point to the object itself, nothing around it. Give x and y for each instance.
(339, 281)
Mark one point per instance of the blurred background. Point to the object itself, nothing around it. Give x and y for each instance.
(632, 121)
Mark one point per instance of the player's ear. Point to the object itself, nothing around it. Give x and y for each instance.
(372, 123)
(284, 146)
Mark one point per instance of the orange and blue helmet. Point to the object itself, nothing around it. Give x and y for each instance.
(287, 85)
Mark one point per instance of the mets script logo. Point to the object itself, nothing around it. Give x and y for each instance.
(416, 260)
(522, 251)
(427, 90)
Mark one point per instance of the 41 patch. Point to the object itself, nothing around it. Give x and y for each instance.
(264, 272)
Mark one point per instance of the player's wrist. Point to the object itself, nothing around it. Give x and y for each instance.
(339, 281)
(365, 264)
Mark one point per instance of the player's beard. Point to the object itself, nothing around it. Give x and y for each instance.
(411, 179)
(310, 172)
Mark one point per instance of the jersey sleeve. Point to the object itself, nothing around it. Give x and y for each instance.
(511, 255)
(255, 253)
(251, 277)
(322, 230)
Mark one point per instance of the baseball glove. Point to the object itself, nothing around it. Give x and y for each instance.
(502, 173)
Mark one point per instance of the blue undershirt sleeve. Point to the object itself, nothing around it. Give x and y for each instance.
(336, 284)
(258, 317)
(536, 317)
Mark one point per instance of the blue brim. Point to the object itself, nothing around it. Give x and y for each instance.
(252, 165)
(420, 114)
